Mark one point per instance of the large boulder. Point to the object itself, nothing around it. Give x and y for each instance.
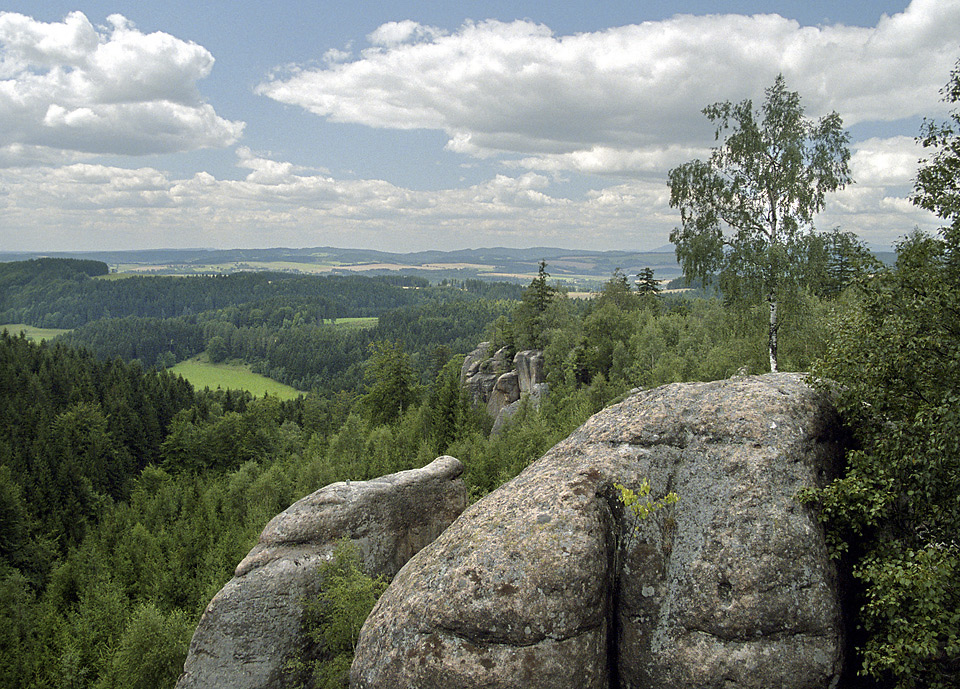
(251, 629)
(546, 584)
(531, 381)
(478, 383)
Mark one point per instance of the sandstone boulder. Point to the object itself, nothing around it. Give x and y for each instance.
(506, 413)
(496, 364)
(478, 383)
(471, 362)
(542, 584)
(251, 628)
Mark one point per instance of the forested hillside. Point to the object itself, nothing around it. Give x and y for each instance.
(285, 326)
(127, 498)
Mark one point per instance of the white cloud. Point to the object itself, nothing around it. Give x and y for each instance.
(602, 160)
(394, 33)
(278, 204)
(877, 206)
(886, 162)
(335, 55)
(622, 100)
(70, 87)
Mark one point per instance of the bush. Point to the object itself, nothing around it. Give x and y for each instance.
(332, 620)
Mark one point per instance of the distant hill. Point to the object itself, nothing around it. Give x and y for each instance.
(570, 266)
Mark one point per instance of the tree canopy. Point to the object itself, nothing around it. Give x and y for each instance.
(745, 211)
(895, 366)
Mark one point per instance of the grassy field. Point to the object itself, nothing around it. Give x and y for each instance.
(35, 334)
(357, 323)
(202, 374)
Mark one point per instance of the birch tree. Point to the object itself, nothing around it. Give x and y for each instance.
(746, 211)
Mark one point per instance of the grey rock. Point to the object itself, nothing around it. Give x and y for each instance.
(496, 364)
(504, 416)
(497, 384)
(731, 587)
(529, 367)
(505, 391)
(538, 392)
(471, 363)
(476, 375)
(480, 387)
(251, 628)
(533, 398)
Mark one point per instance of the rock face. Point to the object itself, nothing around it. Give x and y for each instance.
(529, 367)
(497, 383)
(545, 583)
(251, 628)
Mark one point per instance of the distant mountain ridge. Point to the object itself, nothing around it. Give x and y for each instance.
(491, 263)
(572, 267)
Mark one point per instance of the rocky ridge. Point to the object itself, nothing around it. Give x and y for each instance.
(498, 383)
(543, 583)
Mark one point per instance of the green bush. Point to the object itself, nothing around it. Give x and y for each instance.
(332, 619)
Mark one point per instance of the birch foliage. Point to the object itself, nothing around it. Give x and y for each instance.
(746, 211)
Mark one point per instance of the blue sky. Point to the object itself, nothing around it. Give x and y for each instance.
(411, 125)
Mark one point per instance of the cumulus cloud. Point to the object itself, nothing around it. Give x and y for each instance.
(886, 162)
(878, 207)
(626, 98)
(278, 203)
(623, 102)
(71, 87)
(394, 33)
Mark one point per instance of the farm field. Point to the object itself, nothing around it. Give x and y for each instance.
(32, 333)
(203, 374)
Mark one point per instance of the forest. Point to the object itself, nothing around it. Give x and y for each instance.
(127, 497)
(281, 324)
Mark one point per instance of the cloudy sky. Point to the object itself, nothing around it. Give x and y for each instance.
(418, 124)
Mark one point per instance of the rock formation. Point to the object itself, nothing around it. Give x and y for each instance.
(496, 383)
(545, 583)
(251, 628)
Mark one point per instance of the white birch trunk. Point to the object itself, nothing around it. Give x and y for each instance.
(774, 327)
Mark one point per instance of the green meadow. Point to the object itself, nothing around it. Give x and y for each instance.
(32, 333)
(203, 374)
(357, 323)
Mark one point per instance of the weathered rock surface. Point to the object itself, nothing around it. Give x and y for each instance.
(478, 383)
(505, 391)
(251, 628)
(731, 588)
(529, 367)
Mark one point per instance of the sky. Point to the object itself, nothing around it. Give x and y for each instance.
(408, 125)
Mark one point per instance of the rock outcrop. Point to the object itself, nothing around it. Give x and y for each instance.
(497, 383)
(542, 584)
(251, 628)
